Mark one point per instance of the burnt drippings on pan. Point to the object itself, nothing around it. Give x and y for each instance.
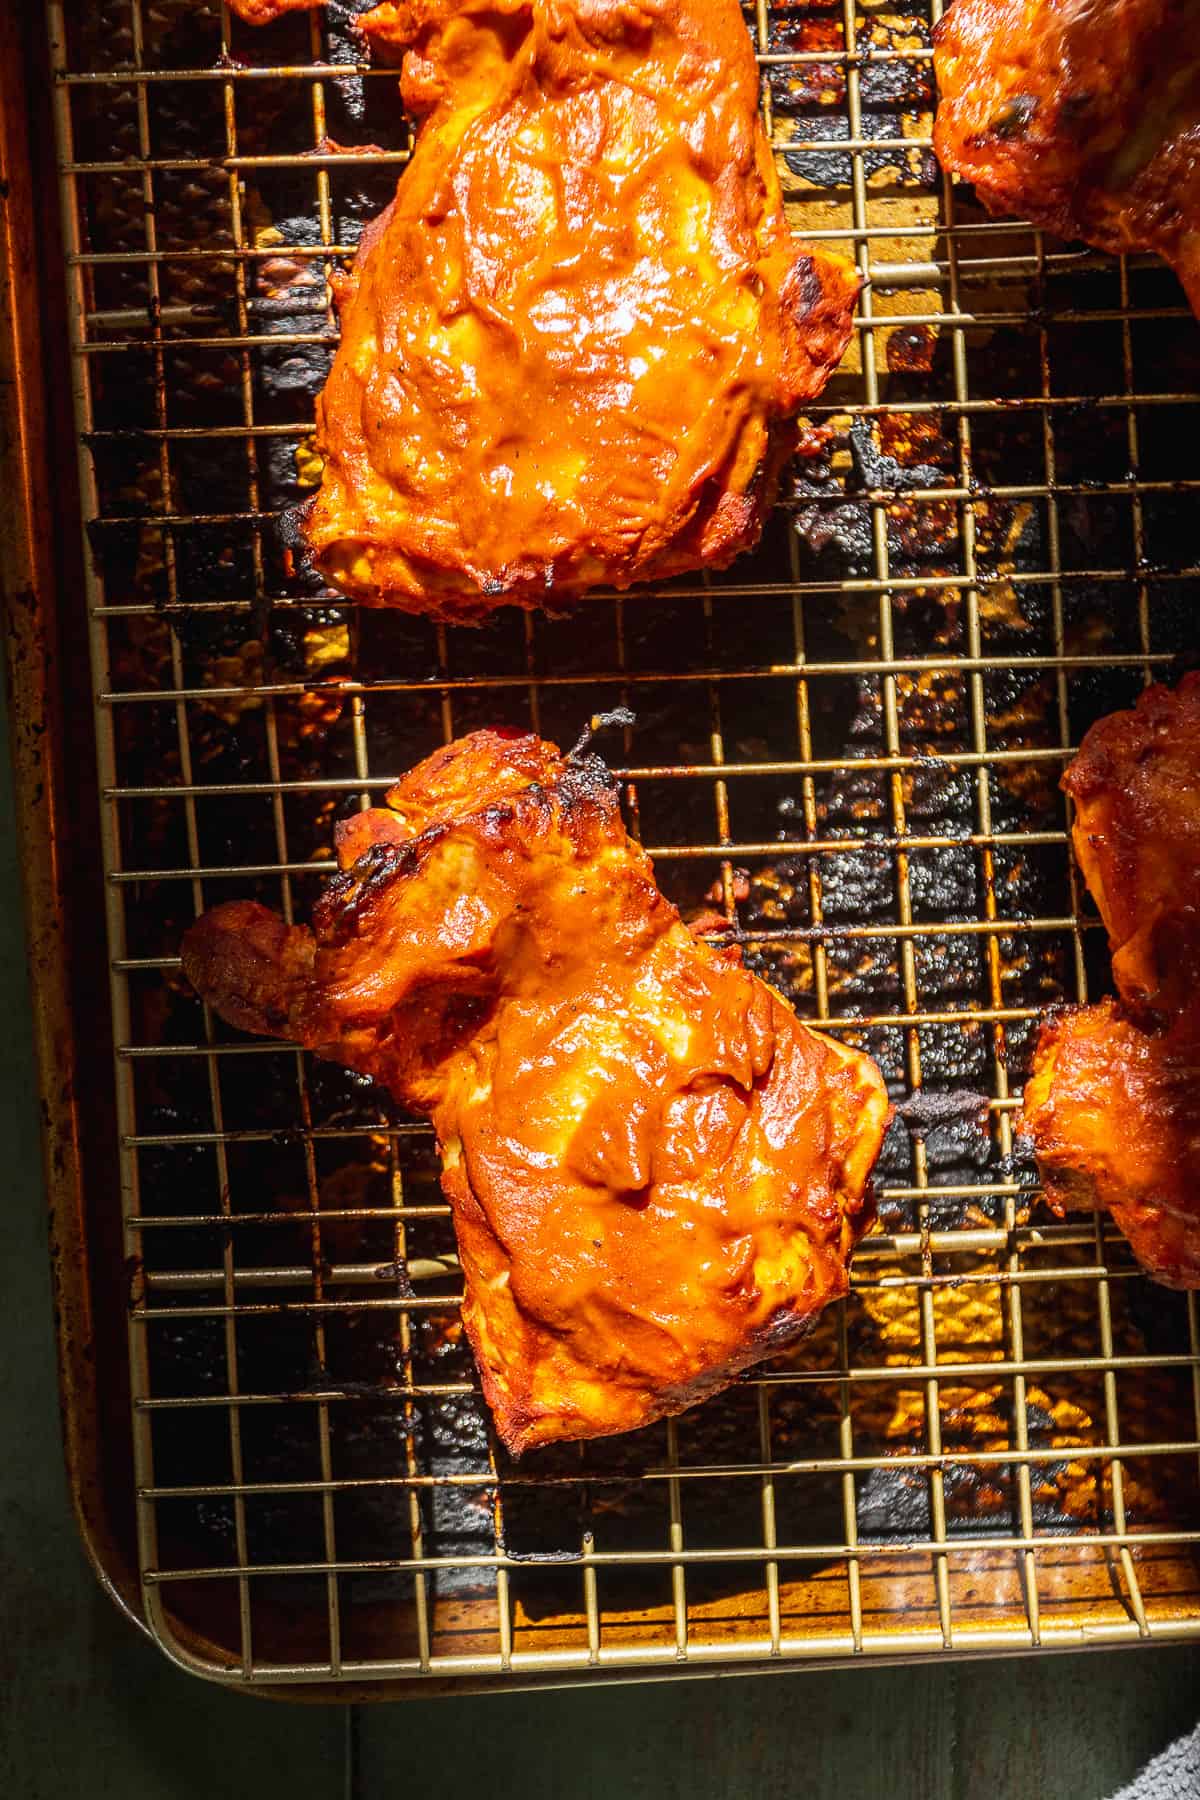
(856, 883)
(808, 97)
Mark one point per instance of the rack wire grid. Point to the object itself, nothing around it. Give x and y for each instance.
(851, 741)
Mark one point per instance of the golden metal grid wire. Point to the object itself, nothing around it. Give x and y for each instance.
(995, 1443)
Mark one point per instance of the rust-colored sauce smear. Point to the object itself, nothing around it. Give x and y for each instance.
(1114, 1103)
(574, 345)
(1084, 118)
(657, 1173)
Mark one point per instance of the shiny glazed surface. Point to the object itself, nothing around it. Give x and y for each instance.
(1114, 1112)
(264, 12)
(1114, 1102)
(574, 344)
(1136, 788)
(1080, 115)
(657, 1174)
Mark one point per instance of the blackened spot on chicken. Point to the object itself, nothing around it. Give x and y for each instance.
(289, 523)
(785, 1328)
(586, 782)
(808, 288)
(1015, 117)
(337, 913)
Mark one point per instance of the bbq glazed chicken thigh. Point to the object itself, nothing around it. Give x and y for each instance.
(1080, 115)
(574, 345)
(1136, 788)
(1113, 1105)
(657, 1174)
(1114, 1112)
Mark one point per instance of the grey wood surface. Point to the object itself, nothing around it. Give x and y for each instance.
(89, 1708)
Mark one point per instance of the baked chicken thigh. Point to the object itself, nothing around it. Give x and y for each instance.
(574, 345)
(1113, 1105)
(1136, 788)
(1114, 1112)
(657, 1174)
(1080, 115)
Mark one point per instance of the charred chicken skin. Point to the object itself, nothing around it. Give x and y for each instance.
(1080, 115)
(1113, 1105)
(657, 1174)
(574, 345)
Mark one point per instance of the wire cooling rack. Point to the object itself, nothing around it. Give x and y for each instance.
(849, 743)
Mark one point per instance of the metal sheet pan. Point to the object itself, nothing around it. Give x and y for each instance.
(849, 743)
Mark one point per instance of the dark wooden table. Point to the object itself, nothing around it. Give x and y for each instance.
(89, 1708)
